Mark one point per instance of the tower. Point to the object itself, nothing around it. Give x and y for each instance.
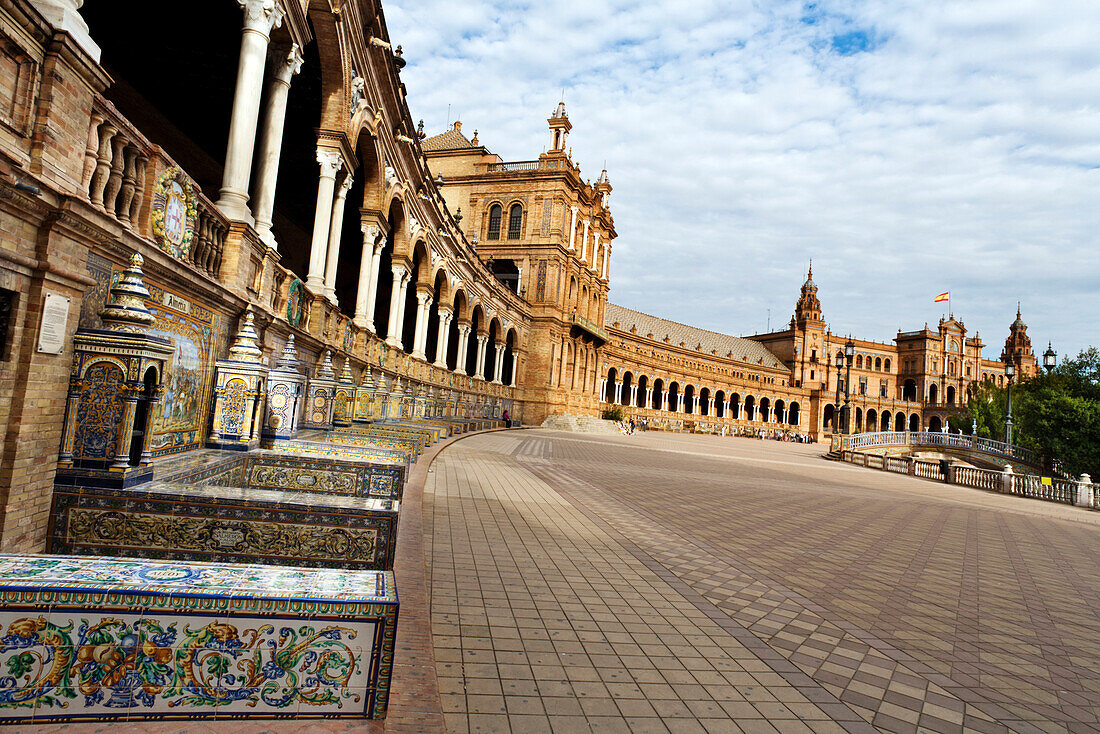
(1018, 347)
(808, 308)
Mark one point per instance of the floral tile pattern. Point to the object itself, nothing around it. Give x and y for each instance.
(103, 639)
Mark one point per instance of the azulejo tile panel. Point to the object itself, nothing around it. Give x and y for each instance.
(111, 639)
(211, 524)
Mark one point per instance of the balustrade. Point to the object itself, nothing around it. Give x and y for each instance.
(121, 171)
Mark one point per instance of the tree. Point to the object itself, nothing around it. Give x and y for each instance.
(986, 407)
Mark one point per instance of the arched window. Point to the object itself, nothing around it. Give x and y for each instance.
(515, 221)
(859, 362)
(886, 365)
(878, 363)
(494, 221)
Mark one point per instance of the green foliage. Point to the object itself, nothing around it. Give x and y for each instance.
(613, 413)
(1056, 414)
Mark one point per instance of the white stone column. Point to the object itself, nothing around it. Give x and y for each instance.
(649, 397)
(368, 276)
(710, 408)
(572, 227)
(606, 259)
(401, 311)
(602, 394)
(498, 363)
(442, 339)
(393, 335)
(336, 229)
(619, 392)
(420, 334)
(594, 266)
(584, 242)
(286, 62)
(463, 348)
(331, 161)
(482, 344)
(633, 395)
(664, 399)
(260, 16)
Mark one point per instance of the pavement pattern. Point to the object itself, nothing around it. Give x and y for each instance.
(670, 583)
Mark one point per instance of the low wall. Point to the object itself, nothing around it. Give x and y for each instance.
(125, 639)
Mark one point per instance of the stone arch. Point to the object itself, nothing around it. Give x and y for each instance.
(658, 390)
(780, 412)
(720, 404)
(914, 423)
(628, 382)
(829, 418)
(858, 426)
(933, 393)
(477, 326)
(336, 65)
(899, 421)
(690, 399)
(508, 367)
(609, 387)
(495, 333)
(750, 408)
(643, 387)
(704, 401)
(872, 419)
(765, 410)
(909, 391)
(935, 424)
(950, 394)
(674, 397)
(793, 414)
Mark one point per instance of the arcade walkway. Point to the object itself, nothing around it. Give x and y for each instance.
(657, 583)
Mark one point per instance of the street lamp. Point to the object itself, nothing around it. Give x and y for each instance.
(1050, 358)
(849, 356)
(1010, 372)
(837, 413)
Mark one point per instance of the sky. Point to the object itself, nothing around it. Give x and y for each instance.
(909, 147)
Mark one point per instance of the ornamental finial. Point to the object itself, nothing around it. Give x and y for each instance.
(246, 347)
(125, 309)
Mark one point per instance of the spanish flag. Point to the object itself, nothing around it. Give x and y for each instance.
(945, 296)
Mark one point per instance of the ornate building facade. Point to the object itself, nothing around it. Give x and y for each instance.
(277, 181)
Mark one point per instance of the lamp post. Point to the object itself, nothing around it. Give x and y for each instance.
(1010, 372)
(849, 357)
(1050, 358)
(837, 413)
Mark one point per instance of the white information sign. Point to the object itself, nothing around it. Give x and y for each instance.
(55, 319)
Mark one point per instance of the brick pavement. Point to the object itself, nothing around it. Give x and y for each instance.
(675, 583)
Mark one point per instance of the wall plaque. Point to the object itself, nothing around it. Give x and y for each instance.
(55, 317)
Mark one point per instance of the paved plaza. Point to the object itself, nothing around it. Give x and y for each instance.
(659, 582)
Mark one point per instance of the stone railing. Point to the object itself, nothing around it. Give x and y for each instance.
(591, 327)
(864, 441)
(122, 170)
(514, 166)
(1081, 492)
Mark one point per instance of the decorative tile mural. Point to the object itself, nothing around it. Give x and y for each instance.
(180, 522)
(179, 421)
(116, 639)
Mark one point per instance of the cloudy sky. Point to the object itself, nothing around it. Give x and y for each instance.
(908, 146)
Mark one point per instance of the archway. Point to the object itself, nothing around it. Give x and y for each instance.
(508, 367)
(884, 422)
(628, 382)
(491, 350)
(909, 391)
(950, 394)
(461, 315)
(689, 399)
(828, 421)
(735, 406)
(704, 401)
(674, 397)
(765, 410)
(750, 408)
(914, 423)
(418, 280)
(899, 422)
(793, 416)
(872, 419)
(477, 325)
(439, 295)
(658, 389)
(859, 420)
(143, 416)
(643, 385)
(933, 393)
(720, 404)
(780, 412)
(384, 289)
(935, 424)
(609, 388)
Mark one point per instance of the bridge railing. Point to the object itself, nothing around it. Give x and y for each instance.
(862, 441)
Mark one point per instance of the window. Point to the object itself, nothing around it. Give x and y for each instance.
(883, 388)
(515, 221)
(863, 386)
(878, 363)
(494, 221)
(886, 365)
(7, 309)
(859, 362)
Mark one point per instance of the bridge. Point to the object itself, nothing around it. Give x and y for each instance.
(971, 447)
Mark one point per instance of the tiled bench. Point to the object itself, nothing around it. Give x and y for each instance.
(166, 520)
(97, 639)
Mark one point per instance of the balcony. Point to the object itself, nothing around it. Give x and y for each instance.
(585, 325)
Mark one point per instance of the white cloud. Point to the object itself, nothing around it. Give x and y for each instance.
(959, 150)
